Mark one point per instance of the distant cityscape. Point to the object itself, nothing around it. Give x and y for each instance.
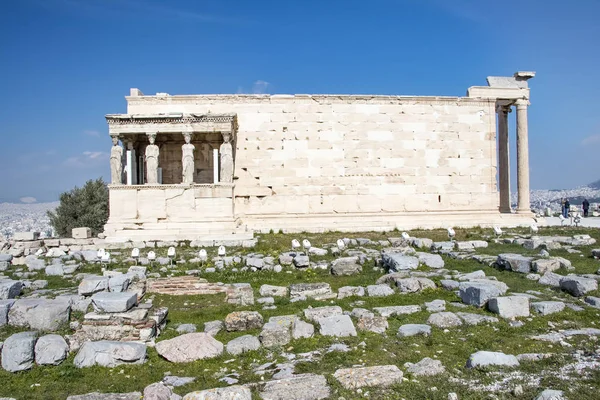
(21, 217)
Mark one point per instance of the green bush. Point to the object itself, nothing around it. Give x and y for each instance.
(79, 207)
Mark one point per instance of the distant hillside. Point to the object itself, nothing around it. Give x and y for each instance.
(595, 185)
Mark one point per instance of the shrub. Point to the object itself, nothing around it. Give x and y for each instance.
(86, 206)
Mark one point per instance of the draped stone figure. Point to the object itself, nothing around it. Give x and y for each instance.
(151, 160)
(116, 162)
(226, 150)
(187, 159)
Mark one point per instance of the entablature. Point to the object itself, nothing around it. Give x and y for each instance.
(124, 124)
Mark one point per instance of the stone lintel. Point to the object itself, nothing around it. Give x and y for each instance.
(130, 124)
(504, 93)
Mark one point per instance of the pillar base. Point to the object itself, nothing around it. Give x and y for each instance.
(524, 211)
(506, 210)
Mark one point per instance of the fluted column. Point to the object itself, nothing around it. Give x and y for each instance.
(503, 158)
(523, 205)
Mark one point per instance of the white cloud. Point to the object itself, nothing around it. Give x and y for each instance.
(92, 155)
(28, 199)
(91, 133)
(86, 159)
(260, 87)
(592, 139)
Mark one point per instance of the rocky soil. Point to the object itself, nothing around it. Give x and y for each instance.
(365, 316)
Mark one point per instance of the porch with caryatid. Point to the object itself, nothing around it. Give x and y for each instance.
(172, 173)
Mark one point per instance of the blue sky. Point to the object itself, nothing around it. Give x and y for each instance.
(64, 64)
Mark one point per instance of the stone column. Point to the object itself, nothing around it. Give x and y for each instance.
(151, 157)
(523, 205)
(226, 151)
(503, 158)
(131, 167)
(187, 159)
(116, 162)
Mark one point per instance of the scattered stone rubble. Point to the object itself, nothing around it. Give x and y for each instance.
(118, 324)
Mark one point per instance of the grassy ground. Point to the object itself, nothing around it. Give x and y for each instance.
(451, 347)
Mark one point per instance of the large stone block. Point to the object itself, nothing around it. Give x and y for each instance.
(41, 314)
(544, 265)
(5, 305)
(515, 262)
(483, 359)
(380, 376)
(243, 320)
(9, 289)
(578, 285)
(113, 302)
(243, 344)
(478, 293)
(25, 236)
(399, 261)
(18, 351)
(298, 387)
(226, 393)
(346, 266)
(548, 307)
(337, 325)
(110, 354)
(51, 350)
(314, 314)
(274, 334)
(510, 306)
(93, 284)
(81, 233)
(189, 347)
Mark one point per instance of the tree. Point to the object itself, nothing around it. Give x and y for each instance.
(86, 206)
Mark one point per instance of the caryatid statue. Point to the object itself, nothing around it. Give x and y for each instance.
(116, 162)
(187, 159)
(152, 160)
(226, 172)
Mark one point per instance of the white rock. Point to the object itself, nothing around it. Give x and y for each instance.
(189, 347)
(337, 325)
(110, 354)
(490, 358)
(510, 306)
(112, 302)
(18, 351)
(51, 350)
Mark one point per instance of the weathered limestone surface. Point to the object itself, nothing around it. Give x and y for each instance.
(107, 396)
(189, 347)
(40, 314)
(275, 334)
(243, 321)
(382, 376)
(425, 367)
(510, 306)
(18, 351)
(51, 350)
(110, 354)
(577, 285)
(227, 393)
(337, 325)
(298, 387)
(478, 293)
(284, 183)
(9, 289)
(490, 358)
(113, 302)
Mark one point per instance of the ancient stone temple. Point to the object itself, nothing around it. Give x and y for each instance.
(191, 167)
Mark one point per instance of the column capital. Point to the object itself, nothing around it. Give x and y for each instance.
(151, 136)
(522, 103)
(503, 108)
